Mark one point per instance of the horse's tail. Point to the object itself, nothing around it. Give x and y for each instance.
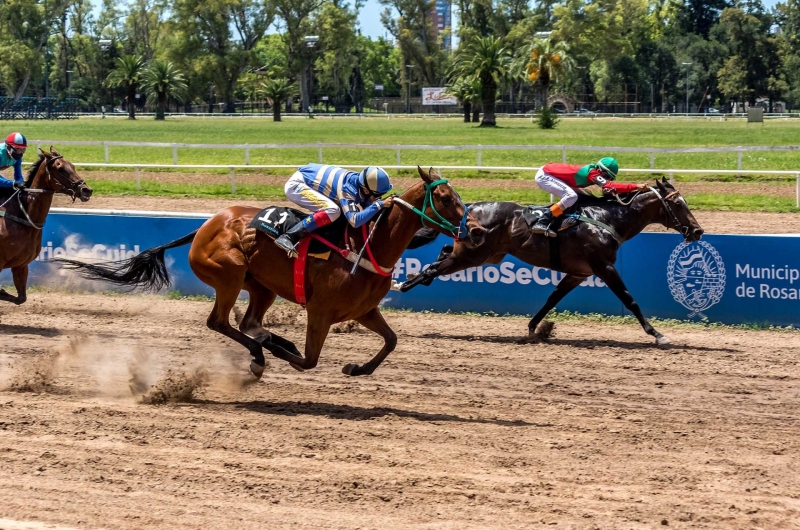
(146, 270)
(424, 236)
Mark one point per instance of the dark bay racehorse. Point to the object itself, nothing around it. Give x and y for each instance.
(230, 257)
(23, 213)
(582, 250)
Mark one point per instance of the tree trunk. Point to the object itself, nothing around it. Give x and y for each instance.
(467, 108)
(489, 93)
(132, 103)
(230, 104)
(22, 86)
(160, 108)
(276, 111)
(545, 94)
(303, 82)
(476, 112)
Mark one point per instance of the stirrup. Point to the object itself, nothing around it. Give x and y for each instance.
(290, 249)
(540, 229)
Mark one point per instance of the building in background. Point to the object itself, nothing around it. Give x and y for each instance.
(442, 16)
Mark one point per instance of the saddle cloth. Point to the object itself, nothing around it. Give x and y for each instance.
(274, 221)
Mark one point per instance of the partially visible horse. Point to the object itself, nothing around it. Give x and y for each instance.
(24, 212)
(230, 257)
(579, 251)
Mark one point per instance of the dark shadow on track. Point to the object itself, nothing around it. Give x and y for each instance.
(349, 412)
(8, 329)
(645, 344)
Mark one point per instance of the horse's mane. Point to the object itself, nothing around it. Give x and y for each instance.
(33, 170)
(5, 193)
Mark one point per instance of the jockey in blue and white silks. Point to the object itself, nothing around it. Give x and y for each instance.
(11, 155)
(328, 191)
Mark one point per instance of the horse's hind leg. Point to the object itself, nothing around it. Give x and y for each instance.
(261, 299)
(374, 321)
(564, 287)
(219, 321)
(20, 277)
(614, 282)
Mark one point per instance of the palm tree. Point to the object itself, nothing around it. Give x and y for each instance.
(162, 81)
(488, 61)
(278, 90)
(126, 75)
(547, 61)
(467, 91)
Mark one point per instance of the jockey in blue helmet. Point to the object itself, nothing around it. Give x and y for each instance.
(11, 155)
(327, 191)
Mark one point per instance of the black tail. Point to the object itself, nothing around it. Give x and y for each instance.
(424, 236)
(146, 270)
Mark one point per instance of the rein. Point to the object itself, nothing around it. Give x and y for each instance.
(457, 232)
(67, 190)
(680, 227)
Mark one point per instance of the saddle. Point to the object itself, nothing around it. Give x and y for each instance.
(572, 216)
(274, 221)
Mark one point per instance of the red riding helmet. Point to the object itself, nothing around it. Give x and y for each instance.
(16, 144)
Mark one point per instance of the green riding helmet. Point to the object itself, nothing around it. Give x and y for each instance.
(609, 167)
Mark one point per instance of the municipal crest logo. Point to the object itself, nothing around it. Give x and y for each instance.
(696, 276)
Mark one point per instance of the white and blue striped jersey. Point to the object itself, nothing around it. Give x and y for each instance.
(341, 185)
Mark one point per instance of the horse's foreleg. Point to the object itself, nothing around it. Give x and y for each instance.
(447, 263)
(612, 278)
(20, 277)
(374, 321)
(316, 332)
(564, 287)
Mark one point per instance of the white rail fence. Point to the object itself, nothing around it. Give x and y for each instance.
(399, 148)
(232, 170)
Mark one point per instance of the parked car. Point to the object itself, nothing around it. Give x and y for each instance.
(558, 110)
(712, 111)
(585, 112)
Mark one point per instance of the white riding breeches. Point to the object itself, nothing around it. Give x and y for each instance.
(302, 195)
(557, 187)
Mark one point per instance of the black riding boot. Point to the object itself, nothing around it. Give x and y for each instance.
(289, 240)
(542, 225)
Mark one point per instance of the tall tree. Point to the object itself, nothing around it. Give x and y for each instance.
(545, 62)
(161, 82)
(488, 61)
(277, 90)
(25, 26)
(225, 33)
(127, 76)
(296, 20)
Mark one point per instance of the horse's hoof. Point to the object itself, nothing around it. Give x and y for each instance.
(256, 369)
(298, 368)
(351, 369)
(661, 340)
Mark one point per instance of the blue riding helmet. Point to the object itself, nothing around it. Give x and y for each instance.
(375, 181)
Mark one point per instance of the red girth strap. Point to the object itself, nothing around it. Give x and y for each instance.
(300, 271)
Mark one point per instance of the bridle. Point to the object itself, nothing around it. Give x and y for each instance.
(69, 188)
(669, 213)
(457, 232)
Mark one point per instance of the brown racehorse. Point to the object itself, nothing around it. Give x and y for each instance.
(24, 214)
(230, 257)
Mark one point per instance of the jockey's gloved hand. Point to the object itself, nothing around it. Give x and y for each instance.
(19, 184)
(643, 187)
(387, 202)
(609, 191)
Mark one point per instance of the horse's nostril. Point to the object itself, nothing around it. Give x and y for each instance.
(698, 231)
(477, 232)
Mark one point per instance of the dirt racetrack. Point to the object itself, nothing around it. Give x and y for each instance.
(461, 428)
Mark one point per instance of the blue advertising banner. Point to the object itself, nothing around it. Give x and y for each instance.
(723, 278)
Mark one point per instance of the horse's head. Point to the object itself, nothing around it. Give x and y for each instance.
(446, 212)
(60, 176)
(676, 212)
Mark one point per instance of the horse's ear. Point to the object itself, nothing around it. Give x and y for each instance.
(664, 180)
(424, 174)
(41, 153)
(54, 152)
